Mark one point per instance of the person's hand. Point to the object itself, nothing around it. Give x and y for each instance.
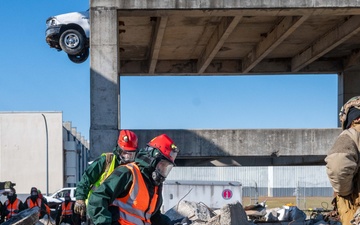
(80, 207)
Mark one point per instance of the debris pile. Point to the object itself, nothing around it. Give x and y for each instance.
(198, 214)
(187, 212)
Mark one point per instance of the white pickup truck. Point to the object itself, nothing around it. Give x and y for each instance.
(70, 32)
(57, 197)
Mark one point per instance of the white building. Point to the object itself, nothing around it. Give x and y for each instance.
(38, 149)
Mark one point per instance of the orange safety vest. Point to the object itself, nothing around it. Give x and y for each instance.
(31, 204)
(38, 202)
(66, 209)
(11, 207)
(136, 207)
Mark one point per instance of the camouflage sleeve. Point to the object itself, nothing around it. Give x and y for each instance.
(342, 164)
(89, 177)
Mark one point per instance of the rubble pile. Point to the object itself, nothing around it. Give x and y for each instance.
(200, 214)
(193, 213)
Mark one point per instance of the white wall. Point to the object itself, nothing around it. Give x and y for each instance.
(23, 150)
(261, 176)
(214, 194)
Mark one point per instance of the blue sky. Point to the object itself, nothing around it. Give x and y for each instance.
(34, 77)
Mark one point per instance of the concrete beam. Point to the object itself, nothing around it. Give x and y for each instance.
(277, 35)
(216, 41)
(329, 41)
(228, 67)
(248, 147)
(156, 43)
(221, 4)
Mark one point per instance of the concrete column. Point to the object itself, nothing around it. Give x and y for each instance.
(104, 80)
(270, 185)
(348, 87)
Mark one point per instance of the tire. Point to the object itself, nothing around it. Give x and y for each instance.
(80, 58)
(72, 42)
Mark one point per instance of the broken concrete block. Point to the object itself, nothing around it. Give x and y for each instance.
(230, 214)
(194, 211)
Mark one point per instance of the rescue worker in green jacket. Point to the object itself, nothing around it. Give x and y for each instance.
(343, 163)
(132, 194)
(95, 174)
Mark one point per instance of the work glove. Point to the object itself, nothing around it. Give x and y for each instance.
(80, 208)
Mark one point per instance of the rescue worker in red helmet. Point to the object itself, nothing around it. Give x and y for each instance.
(13, 205)
(132, 194)
(102, 167)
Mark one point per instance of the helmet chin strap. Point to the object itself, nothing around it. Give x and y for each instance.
(157, 178)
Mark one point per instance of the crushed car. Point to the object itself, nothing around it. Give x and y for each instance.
(70, 32)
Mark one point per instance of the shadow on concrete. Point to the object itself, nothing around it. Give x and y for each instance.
(246, 147)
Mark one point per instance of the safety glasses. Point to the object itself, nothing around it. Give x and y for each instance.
(128, 156)
(164, 167)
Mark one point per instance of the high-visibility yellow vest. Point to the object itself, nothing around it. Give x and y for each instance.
(107, 170)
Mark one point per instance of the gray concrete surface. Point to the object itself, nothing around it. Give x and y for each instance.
(134, 38)
(252, 147)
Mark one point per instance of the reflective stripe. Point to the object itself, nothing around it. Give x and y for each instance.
(136, 207)
(11, 207)
(66, 209)
(103, 176)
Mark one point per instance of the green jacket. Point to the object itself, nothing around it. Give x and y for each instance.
(118, 185)
(91, 175)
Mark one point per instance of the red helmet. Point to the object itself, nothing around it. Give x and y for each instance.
(128, 140)
(166, 146)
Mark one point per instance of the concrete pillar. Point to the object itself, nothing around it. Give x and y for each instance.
(270, 185)
(348, 87)
(104, 80)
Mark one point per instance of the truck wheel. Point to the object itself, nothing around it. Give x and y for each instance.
(72, 42)
(81, 57)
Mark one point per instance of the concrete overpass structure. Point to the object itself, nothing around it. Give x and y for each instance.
(222, 37)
